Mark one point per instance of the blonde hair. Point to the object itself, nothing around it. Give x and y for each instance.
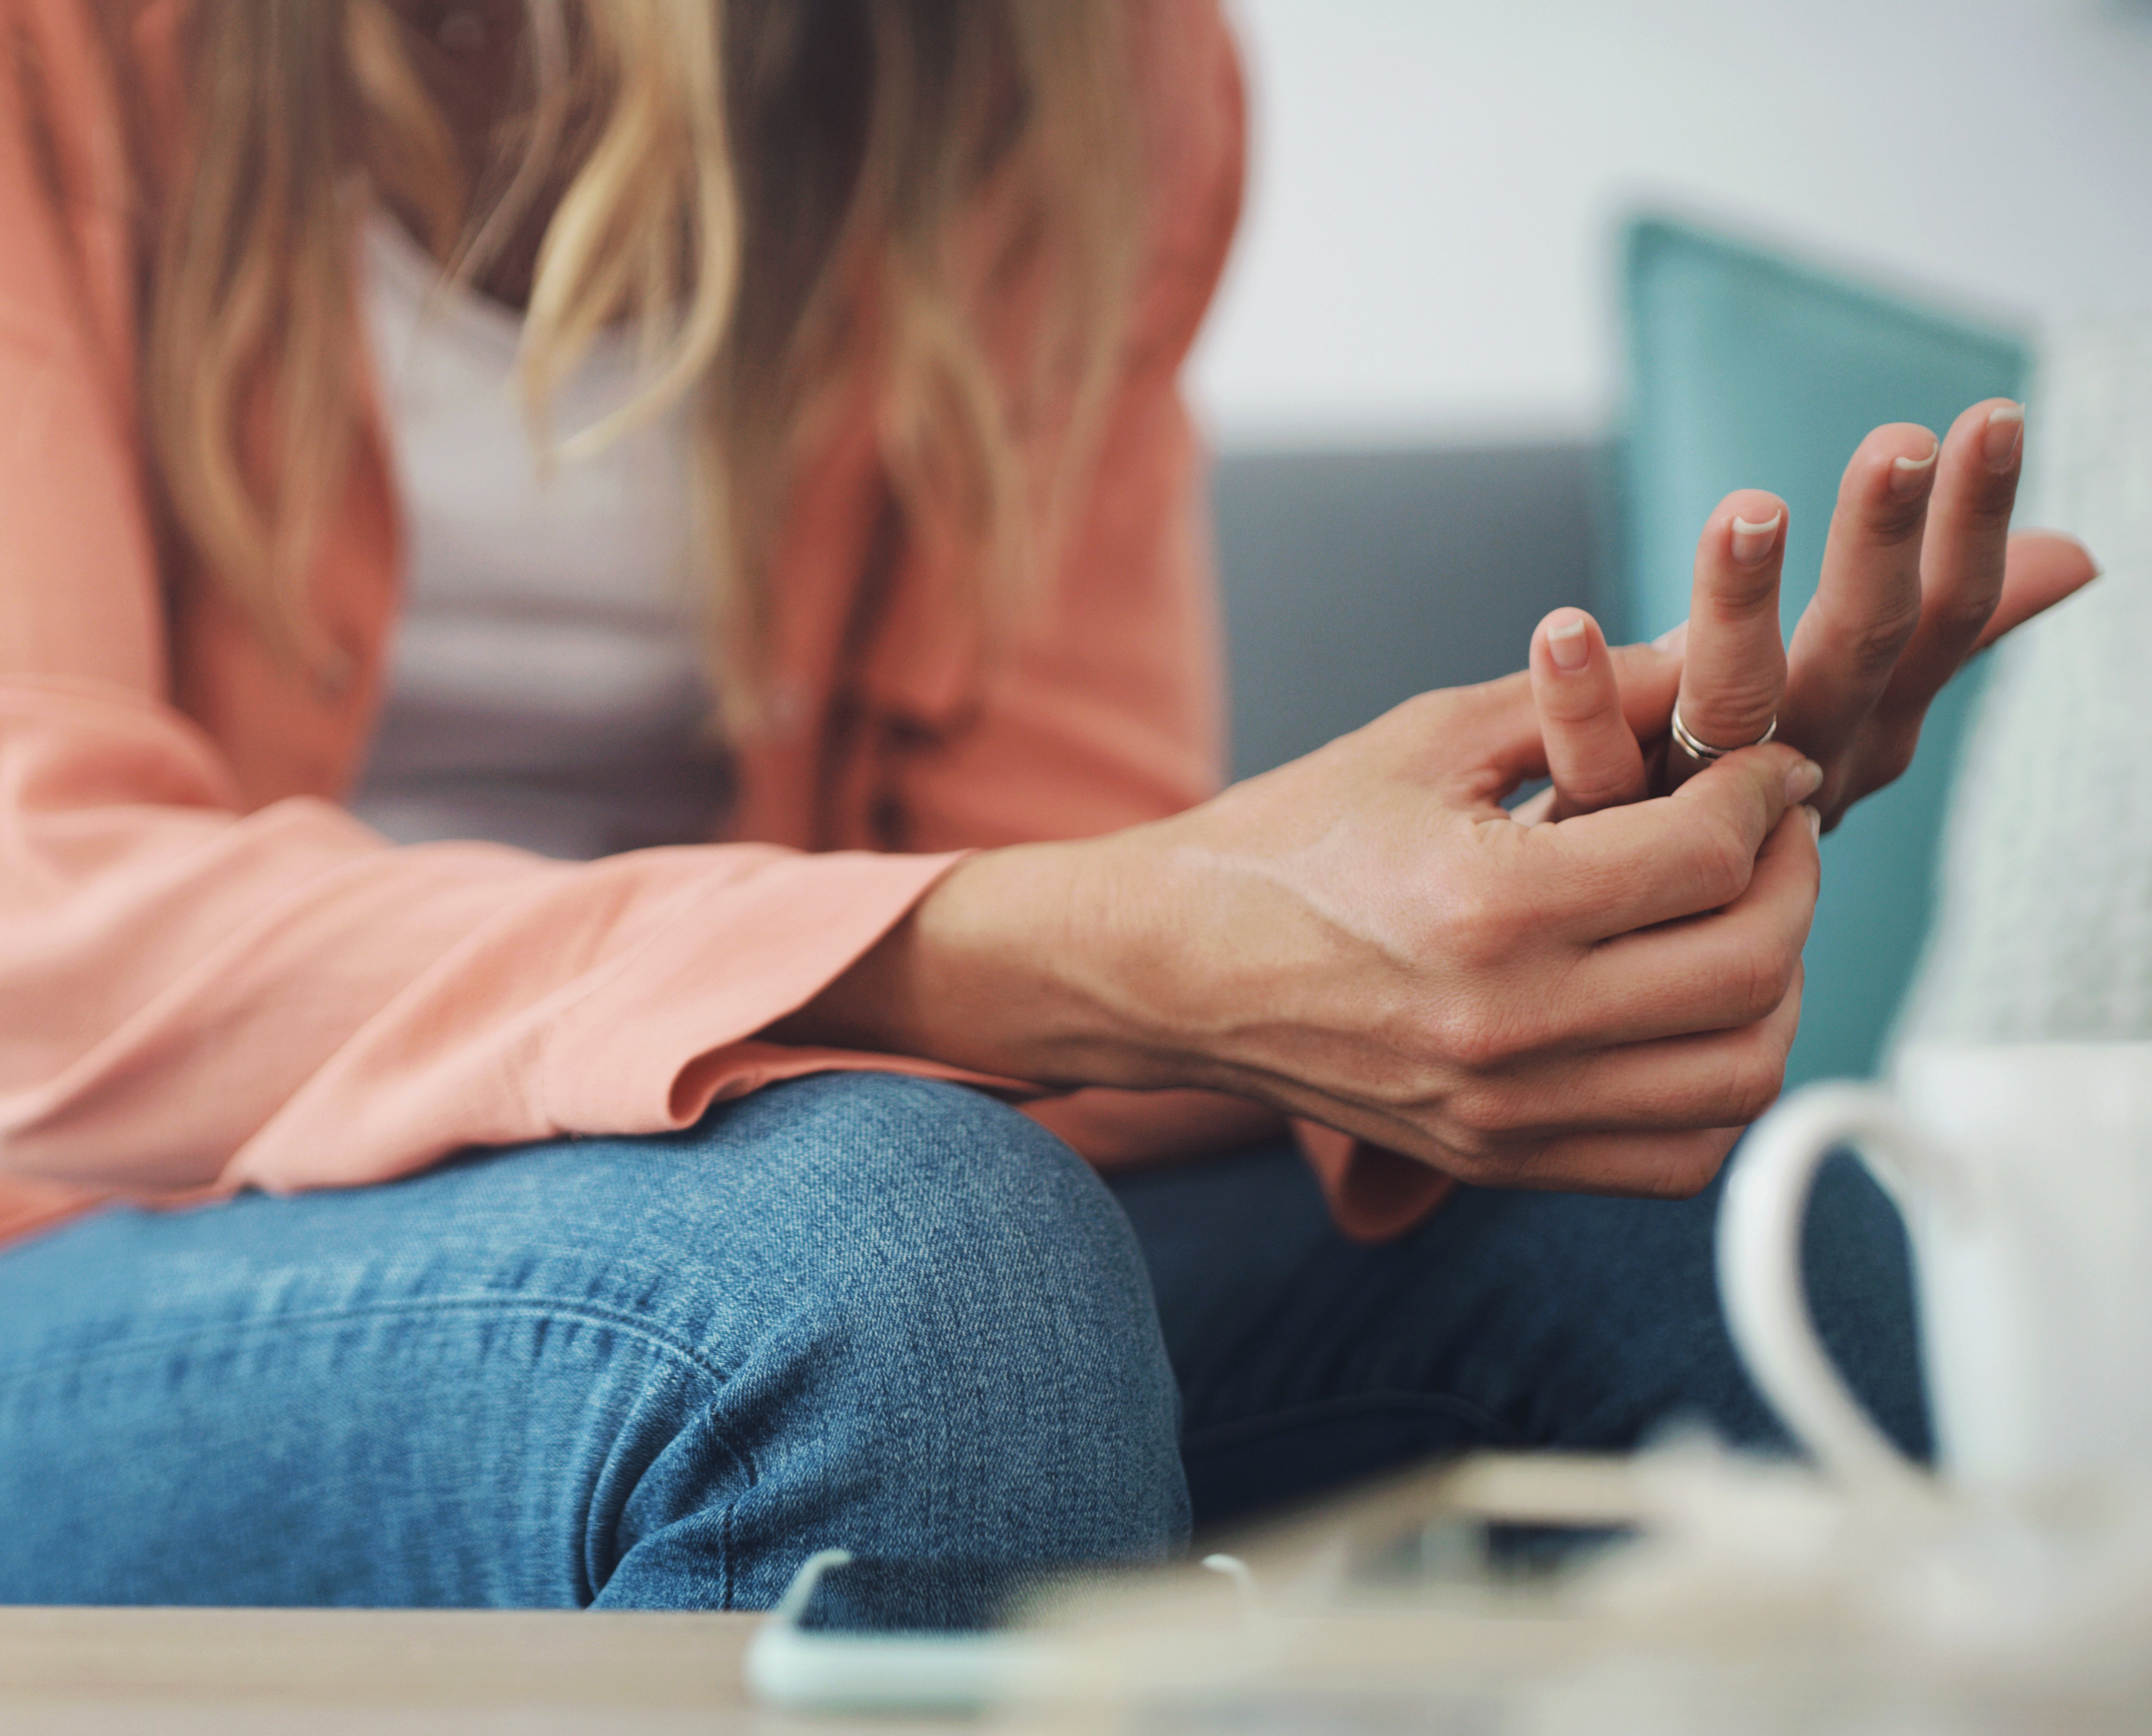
(784, 194)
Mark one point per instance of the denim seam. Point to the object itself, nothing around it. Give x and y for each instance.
(536, 1307)
(1214, 1436)
(541, 1306)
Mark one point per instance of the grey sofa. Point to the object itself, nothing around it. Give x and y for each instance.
(1355, 579)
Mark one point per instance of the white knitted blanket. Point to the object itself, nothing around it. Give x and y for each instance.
(2044, 923)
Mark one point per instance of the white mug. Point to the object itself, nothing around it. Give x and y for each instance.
(2024, 1172)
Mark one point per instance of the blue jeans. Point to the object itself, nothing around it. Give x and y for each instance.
(855, 1309)
(1508, 1321)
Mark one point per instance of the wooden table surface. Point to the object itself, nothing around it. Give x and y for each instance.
(75, 1672)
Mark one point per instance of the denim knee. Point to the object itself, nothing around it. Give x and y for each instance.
(954, 1354)
(657, 1372)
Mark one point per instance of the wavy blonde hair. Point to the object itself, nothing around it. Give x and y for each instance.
(781, 193)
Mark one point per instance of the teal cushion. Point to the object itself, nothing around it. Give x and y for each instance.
(1747, 370)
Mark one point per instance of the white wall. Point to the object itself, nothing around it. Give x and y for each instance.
(1435, 183)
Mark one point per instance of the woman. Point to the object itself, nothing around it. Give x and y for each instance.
(874, 309)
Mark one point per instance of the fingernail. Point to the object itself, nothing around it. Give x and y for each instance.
(1804, 780)
(1816, 822)
(1753, 542)
(2004, 433)
(1674, 638)
(1566, 642)
(1910, 476)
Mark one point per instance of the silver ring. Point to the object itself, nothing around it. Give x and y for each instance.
(1703, 751)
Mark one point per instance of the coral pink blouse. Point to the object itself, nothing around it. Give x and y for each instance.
(211, 977)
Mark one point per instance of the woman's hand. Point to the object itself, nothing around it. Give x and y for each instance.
(1920, 572)
(1365, 937)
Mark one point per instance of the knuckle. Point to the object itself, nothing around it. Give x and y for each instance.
(1736, 592)
(1890, 520)
(1757, 1074)
(1688, 1169)
(1735, 709)
(1479, 925)
(1577, 705)
(1959, 616)
(1474, 1036)
(1761, 971)
(1483, 1107)
(1680, 1178)
(1874, 646)
(1786, 948)
(1463, 1110)
(1784, 954)
(1723, 859)
(1608, 786)
(1755, 1080)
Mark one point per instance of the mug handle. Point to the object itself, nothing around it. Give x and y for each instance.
(1759, 1269)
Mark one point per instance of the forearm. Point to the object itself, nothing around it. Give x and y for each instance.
(1366, 939)
(1015, 963)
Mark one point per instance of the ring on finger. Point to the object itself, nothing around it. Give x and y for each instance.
(1701, 752)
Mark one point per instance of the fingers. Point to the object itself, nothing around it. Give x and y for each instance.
(1655, 1166)
(1734, 663)
(1654, 861)
(1716, 972)
(1605, 1114)
(1868, 600)
(1678, 1085)
(1503, 716)
(1719, 1078)
(1964, 559)
(2041, 568)
(1592, 755)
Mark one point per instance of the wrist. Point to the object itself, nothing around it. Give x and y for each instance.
(1013, 964)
